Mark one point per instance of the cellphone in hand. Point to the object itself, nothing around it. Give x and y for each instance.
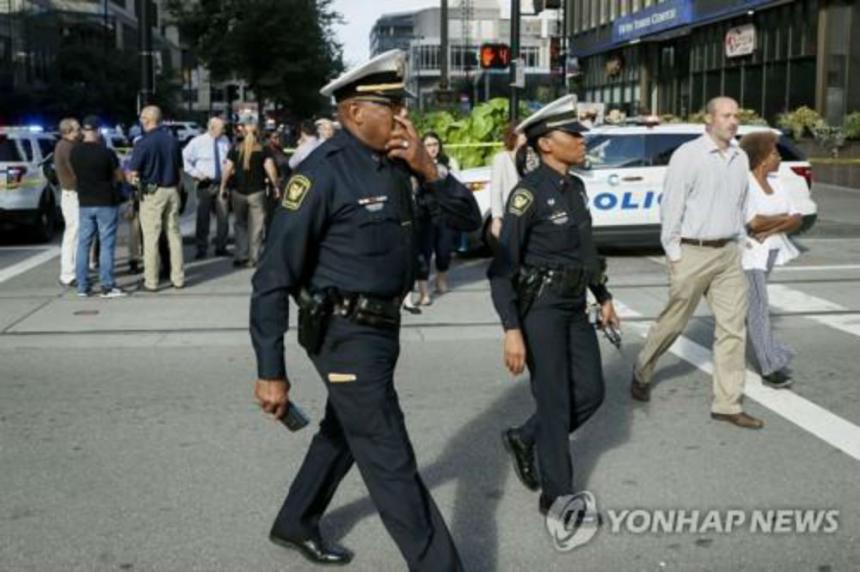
(295, 418)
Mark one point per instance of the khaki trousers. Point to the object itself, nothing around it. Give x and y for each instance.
(716, 274)
(250, 213)
(160, 210)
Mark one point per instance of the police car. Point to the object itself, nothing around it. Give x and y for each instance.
(626, 166)
(27, 197)
(624, 175)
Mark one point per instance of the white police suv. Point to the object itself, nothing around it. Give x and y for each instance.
(626, 166)
(624, 176)
(27, 198)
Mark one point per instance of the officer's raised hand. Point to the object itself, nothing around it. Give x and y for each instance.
(406, 145)
(515, 351)
(273, 395)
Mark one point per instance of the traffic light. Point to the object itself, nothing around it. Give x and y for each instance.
(495, 56)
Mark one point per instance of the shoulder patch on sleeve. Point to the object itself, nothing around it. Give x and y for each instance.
(297, 188)
(521, 201)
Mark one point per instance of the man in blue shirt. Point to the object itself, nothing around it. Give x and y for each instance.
(156, 164)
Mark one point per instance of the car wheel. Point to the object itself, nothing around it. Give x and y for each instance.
(46, 221)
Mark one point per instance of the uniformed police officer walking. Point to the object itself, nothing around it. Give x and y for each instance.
(545, 262)
(343, 245)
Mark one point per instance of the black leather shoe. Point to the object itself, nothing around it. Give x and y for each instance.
(315, 550)
(524, 459)
(640, 391)
(777, 380)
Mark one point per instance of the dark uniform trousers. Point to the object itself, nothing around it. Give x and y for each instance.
(364, 424)
(563, 358)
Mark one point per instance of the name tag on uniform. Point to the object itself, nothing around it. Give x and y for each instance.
(559, 218)
(373, 204)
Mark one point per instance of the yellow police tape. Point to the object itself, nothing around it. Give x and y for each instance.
(832, 161)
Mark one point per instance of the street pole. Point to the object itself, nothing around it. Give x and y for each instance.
(443, 49)
(146, 68)
(514, 103)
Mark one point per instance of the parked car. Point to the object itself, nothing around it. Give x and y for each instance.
(184, 131)
(28, 199)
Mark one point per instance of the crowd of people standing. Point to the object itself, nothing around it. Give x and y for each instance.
(239, 173)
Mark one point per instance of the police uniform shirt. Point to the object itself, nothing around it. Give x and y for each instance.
(346, 221)
(546, 224)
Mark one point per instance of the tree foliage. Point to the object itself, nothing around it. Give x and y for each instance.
(284, 49)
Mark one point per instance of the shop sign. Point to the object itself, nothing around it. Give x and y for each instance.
(656, 18)
(740, 41)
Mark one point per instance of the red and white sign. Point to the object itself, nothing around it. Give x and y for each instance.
(740, 41)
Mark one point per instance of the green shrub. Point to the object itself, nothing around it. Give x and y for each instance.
(800, 122)
(484, 124)
(852, 125)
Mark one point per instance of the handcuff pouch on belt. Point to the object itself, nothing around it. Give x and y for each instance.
(531, 281)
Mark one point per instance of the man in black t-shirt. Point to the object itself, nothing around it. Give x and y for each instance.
(97, 172)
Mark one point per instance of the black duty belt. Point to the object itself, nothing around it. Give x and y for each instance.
(715, 243)
(367, 310)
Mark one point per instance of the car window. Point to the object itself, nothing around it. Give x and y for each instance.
(606, 151)
(46, 146)
(788, 151)
(8, 151)
(660, 147)
(26, 149)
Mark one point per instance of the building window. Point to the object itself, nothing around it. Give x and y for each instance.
(531, 55)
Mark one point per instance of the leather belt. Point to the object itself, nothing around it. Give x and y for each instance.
(715, 243)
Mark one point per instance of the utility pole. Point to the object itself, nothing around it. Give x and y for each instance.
(514, 103)
(146, 67)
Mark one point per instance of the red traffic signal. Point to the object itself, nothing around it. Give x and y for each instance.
(495, 56)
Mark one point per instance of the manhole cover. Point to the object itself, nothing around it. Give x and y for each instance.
(86, 313)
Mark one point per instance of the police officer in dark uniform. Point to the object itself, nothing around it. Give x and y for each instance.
(342, 243)
(545, 263)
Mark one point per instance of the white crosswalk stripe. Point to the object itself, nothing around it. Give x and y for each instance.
(810, 417)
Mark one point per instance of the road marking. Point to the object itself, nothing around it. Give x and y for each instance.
(810, 417)
(791, 300)
(820, 268)
(29, 263)
(10, 248)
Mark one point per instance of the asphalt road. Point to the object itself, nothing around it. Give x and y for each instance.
(129, 439)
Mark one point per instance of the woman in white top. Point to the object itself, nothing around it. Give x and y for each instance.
(504, 177)
(770, 216)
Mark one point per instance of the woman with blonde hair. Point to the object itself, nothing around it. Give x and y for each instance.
(770, 216)
(249, 163)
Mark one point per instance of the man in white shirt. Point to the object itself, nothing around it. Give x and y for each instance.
(308, 141)
(203, 160)
(702, 219)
